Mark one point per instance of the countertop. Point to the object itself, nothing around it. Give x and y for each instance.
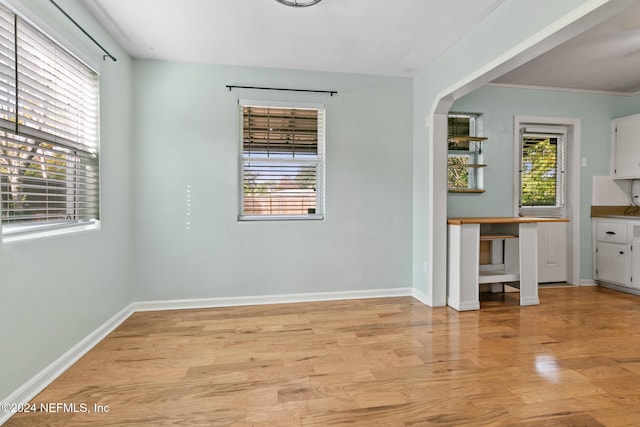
(502, 220)
(632, 217)
(619, 212)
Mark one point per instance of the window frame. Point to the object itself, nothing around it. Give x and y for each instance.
(472, 173)
(74, 148)
(473, 153)
(319, 161)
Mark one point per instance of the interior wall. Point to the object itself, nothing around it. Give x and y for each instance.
(55, 291)
(635, 104)
(187, 137)
(498, 44)
(499, 105)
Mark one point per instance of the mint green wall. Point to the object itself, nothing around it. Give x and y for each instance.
(187, 134)
(499, 105)
(56, 291)
(635, 104)
(500, 37)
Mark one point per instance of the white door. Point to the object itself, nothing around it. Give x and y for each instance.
(558, 243)
(552, 252)
(541, 165)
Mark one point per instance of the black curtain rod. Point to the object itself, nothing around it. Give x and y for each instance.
(330, 92)
(107, 54)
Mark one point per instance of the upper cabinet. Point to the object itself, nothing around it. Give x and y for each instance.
(626, 147)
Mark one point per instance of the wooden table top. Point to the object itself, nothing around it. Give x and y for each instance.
(502, 220)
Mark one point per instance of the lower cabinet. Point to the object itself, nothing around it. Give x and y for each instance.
(612, 263)
(616, 253)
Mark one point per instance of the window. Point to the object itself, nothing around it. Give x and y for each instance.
(464, 156)
(48, 132)
(542, 167)
(282, 162)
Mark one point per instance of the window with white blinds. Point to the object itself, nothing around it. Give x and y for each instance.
(48, 132)
(281, 162)
(542, 181)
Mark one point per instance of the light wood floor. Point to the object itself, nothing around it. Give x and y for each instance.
(574, 360)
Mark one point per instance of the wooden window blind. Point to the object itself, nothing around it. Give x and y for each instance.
(48, 132)
(281, 165)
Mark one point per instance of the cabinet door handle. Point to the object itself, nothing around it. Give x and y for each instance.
(621, 252)
(612, 233)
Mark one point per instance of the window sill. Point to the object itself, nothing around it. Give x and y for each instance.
(20, 234)
(464, 190)
(247, 218)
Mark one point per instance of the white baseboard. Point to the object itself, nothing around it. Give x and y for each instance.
(180, 304)
(35, 385)
(624, 289)
(526, 301)
(588, 282)
(420, 296)
(464, 305)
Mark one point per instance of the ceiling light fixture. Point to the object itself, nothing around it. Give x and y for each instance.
(298, 3)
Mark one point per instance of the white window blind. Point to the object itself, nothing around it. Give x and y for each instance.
(542, 183)
(48, 132)
(281, 162)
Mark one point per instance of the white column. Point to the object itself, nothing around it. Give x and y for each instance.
(464, 248)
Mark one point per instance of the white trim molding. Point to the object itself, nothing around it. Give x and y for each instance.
(35, 385)
(562, 89)
(181, 304)
(420, 296)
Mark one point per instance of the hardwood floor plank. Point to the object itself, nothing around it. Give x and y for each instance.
(572, 360)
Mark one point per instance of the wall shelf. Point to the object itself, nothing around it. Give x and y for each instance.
(465, 190)
(454, 139)
(474, 165)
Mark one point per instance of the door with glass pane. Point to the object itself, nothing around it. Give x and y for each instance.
(542, 194)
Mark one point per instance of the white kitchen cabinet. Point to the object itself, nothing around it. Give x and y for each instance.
(616, 253)
(626, 147)
(612, 263)
(611, 232)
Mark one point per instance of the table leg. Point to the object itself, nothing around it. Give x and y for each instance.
(529, 263)
(464, 247)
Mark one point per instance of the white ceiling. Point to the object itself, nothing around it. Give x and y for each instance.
(382, 37)
(604, 58)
